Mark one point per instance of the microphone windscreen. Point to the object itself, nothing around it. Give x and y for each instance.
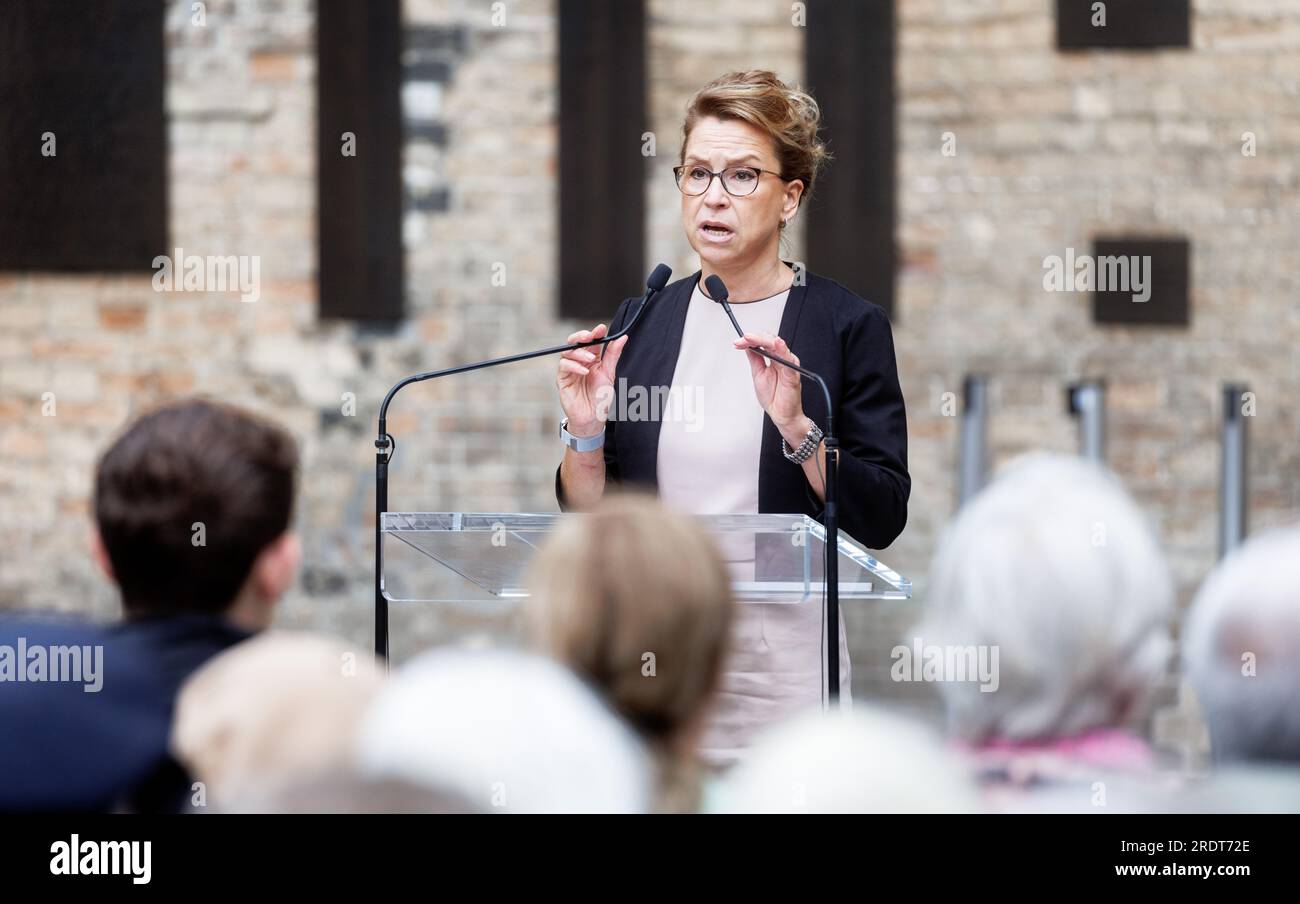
(717, 288)
(659, 278)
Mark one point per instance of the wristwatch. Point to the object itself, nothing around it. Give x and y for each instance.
(806, 448)
(581, 443)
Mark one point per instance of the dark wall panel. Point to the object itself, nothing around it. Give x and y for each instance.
(850, 70)
(1132, 24)
(359, 49)
(1168, 277)
(90, 72)
(602, 171)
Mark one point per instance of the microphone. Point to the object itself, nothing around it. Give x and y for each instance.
(386, 445)
(830, 519)
(654, 284)
(659, 277)
(718, 292)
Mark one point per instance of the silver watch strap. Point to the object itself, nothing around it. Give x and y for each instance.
(581, 443)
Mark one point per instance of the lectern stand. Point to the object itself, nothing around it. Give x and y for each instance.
(460, 557)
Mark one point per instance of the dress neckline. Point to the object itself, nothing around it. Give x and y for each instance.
(699, 290)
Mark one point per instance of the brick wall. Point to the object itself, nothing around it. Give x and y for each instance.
(1051, 149)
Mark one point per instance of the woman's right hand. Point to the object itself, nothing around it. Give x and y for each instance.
(586, 381)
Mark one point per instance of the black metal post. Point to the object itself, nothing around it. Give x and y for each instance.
(830, 518)
(383, 451)
(831, 522)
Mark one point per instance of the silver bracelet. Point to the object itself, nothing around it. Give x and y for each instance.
(806, 448)
(581, 443)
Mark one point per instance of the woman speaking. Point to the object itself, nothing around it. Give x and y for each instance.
(750, 154)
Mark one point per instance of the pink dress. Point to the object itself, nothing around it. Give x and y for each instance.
(709, 447)
(1104, 769)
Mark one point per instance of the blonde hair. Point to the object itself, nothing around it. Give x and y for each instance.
(635, 599)
(787, 114)
(280, 707)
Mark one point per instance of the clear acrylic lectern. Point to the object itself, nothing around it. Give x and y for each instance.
(466, 556)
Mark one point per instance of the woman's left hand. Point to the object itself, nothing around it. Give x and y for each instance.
(777, 387)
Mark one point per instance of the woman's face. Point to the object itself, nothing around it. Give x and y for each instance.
(749, 226)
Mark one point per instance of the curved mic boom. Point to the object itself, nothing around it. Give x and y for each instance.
(386, 446)
(718, 292)
(830, 518)
(658, 279)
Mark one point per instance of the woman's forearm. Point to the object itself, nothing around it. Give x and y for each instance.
(582, 477)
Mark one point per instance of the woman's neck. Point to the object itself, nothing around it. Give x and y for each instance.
(751, 284)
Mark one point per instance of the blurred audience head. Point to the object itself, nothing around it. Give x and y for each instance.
(192, 506)
(636, 600)
(345, 791)
(855, 761)
(1053, 569)
(1242, 651)
(274, 710)
(505, 731)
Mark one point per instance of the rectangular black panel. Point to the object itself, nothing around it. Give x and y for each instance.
(850, 71)
(83, 145)
(602, 170)
(360, 196)
(1164, 268)
(1133, 24)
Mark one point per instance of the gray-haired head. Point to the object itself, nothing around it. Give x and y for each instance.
(1242, 649)
(1053, 568)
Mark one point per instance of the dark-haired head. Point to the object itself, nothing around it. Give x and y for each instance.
(193, 504)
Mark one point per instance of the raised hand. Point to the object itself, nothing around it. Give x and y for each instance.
(586, 381)
(776, 387)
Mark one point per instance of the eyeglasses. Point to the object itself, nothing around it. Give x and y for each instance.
(737, 180)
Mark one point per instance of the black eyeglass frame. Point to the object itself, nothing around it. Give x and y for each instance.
(679, 170)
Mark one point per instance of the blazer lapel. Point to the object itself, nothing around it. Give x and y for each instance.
(793, 308)
(657, 367)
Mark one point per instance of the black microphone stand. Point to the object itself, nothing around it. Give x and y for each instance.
(386, 446)
(830, 520)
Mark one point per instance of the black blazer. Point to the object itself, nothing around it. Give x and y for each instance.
(109, 750)
(833, 332)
